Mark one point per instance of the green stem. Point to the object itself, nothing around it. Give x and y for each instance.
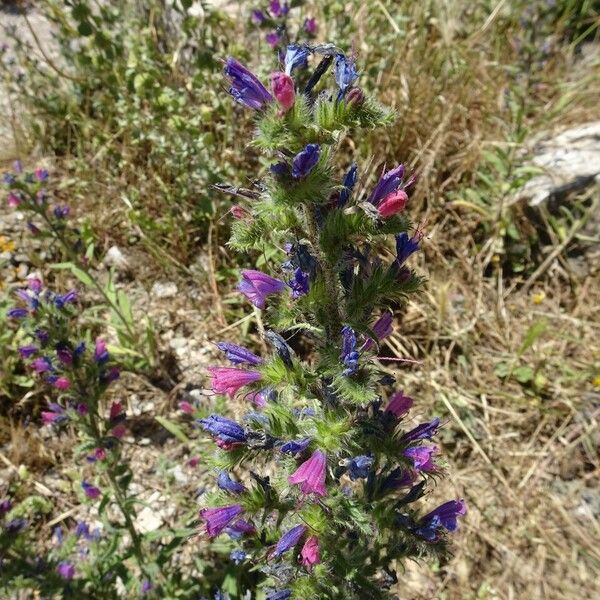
(335, 319)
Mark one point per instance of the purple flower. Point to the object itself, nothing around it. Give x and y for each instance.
(288, 540)
(382, 329)
(17, 313)
(66, 570)
(245, 86)
(256, 286)
(238, 556)
(299, 284)
(295, 447)
(27, 351)
(18, 167)
(280, 169)
(240, 528)
(345, 73)
(295, 56)
(82, 530)
(61, 212)
(272, 38)
(277, 10)
(311, 474)
(238, 355)
(42, 364)
(15, 526)
(258, 16)
(100, 352)
(219, 518)
(8, 179)
(389, 182)
(304, 162)
(58, 534)
(42, 335)
(61, 300)
(424, 431)
(422, 457)
(444, 516)
(279, 595)
(5, 506)
(406, 246)
(398, 478)
(348, 184)
(55, 415)
(226, 483)
(399, 404)
(226, 430)
(146, 586)
(228, 380)
(91, 491)
(359, 466)
(41, 174)
(349, 355)
(33, 229)
(64, 355)
(310, 26)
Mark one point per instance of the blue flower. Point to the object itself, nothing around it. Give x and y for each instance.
(288, 540)
(350, 355)
(245, 86)
(345, 73)
(279, 595)
(238, 556)
(295, 56)
(238, 355)
(17, 313)
(294, 447)
(226, 483)
(305, 161)
(299, 284)
(406, 246)
(358, 467)
(348, 183)
(424, 431)
(444, 516)
(226, 430)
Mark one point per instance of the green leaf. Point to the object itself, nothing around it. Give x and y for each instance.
(523, 374)
(533, 333)
(173, 429)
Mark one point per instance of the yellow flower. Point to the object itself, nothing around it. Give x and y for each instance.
(6, 245)
(538, 298)
(596, 381)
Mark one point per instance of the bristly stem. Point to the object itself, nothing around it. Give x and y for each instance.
(333, 325)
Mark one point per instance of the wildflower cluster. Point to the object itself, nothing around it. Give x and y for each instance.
(78, 372)
(329, 508)
(274, 19)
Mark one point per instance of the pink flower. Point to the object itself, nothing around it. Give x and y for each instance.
(422, 457)
(393, 203)
(116, 408)
(311, 474)
(186, 407)
(194, 461)
(62, 383)
(13, 200)
(91, 491)
(399, 404)
(310, 554)
(119, 431)
(228, 380)
(99, 453)
(283, 90)
(256, 286)
(239, 212)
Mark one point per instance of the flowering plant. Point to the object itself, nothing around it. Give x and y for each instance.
(274, 19)
(329, 509)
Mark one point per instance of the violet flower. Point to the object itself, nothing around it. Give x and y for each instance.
(245, 86)
(66, 570)
(422, 457)
(311, 474)
(359, 467)
(406, 246)
(345, 73)
(424, 431)
(101, 354)
(310, 26)
(295, 446)
(289, 540)
(398, 478)
(226, 483)
(279, 595)
(348, 185)
(239, 355)
(382, 329)
(305, 161)
(258, 16)
(226, 430)
(295, 56)
(28, 351)
(349, 355)
(272, 38)
(91, 491)
(444, 516)
(256, 286)
(219, 518)
(299, 284)
(17, 313)
(399, 404)
(388, 183)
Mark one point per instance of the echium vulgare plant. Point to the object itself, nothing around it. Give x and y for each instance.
(329, 509)
(78, 373)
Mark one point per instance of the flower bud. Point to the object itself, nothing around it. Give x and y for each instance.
(283, 90)
(355, 97)
(393, 203)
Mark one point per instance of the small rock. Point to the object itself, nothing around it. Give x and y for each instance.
(148, 520)
(178, 342)
(179, 475)
(164, 289)
(115, 258)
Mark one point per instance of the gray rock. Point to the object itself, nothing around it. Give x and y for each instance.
(164, 289)
(116, 259)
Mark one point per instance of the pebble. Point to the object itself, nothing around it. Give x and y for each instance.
(115, 258)
(164, 289)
